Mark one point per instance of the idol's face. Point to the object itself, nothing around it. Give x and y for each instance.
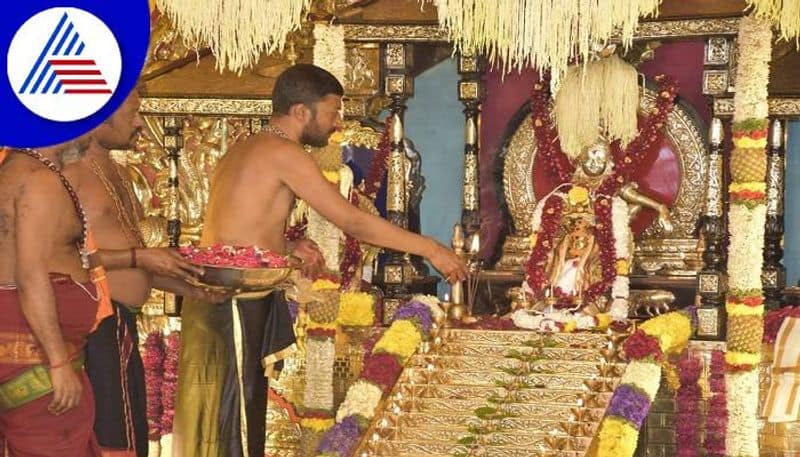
(595, 160)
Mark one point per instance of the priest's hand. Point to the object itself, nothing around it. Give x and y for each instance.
(67, 389)
(165, 262)
(313, 262)
(448, 263)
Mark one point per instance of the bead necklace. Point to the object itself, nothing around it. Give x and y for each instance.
(83, 244)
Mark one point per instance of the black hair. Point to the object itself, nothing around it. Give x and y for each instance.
(303, 83)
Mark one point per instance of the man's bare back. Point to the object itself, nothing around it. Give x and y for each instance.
(249, 202)
(25, 182)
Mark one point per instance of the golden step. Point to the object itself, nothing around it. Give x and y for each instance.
(499, 351)
(515, 438)
(444, 362)
(461, 421)
(544, 411)
(428, 449)
(520, 337)
(482, 378)
(554, 396)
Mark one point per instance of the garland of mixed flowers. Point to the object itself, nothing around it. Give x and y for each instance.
(688, 414)
(337, 308)
(747, 217)
(610, 229)
(646, 349)
(410, 326)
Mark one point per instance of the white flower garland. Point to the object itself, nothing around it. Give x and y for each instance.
(747, 236)
(742, 412)
(746, 245)
(237, 31)
(547, 321)
(362, 399)
(620, 290)
(620, 219)
(329, 49)
(320, 355)
(644, 375)
(551, 33)
(755, 44)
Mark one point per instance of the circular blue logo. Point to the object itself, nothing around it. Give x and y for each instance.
(68, 66)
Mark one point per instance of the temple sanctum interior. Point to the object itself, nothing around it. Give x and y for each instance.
(621, 178)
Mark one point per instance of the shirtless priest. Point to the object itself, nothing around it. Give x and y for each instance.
(113, 361)
(252, 193)
(48, 307)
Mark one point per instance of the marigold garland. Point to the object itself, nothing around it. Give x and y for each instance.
(356, 309)
(402, 340)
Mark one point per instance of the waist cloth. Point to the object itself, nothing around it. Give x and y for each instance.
(25, 386)
(116, 372)
(228, 351)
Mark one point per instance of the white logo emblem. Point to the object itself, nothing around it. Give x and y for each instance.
(64, 64)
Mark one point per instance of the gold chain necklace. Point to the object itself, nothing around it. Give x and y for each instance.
(269, 128)
(130, 228)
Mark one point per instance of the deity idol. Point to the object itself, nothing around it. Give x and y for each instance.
(582, 246)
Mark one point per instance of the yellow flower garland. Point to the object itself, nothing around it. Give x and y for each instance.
(742, 358)
(324, 284)
(672, 330)
(616, 438)
(317, 425)
(750, 143)
(356, 309)
(603, 320)
(736, 309)
(401, 339)
(748, 186)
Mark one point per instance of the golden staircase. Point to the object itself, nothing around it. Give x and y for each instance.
(498, 393)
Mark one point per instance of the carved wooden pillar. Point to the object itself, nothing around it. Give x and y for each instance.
(398, 270)
(712, 278)
(470, 92)
(774, 273)
(173, 143)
